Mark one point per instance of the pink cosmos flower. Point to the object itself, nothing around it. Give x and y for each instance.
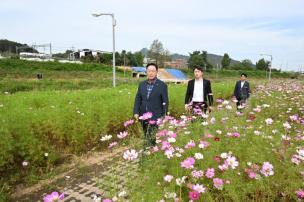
(129, 122)
(122, 135)
(258, 109)
(190, 144)
(111, 145)
(53, 197)
(188, 163)
(295, 159)
(152, 122)
(236, 134)
(203, 144)
(231, 162)
(210, 173)
(199, 188)
(294, 117)
(267, 169)
(218, 183)
(155, 149)
(197, 173)
(209, 136)
(252, 175)
(146, 116)
(300, 194)
(194, 195)
(165, 145)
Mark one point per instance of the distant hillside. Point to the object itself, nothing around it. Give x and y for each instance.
(9, 47)
(217, 59)
(212, 58)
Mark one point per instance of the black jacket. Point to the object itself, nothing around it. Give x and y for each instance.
(241, 93)
(157, 103)
(207, 92)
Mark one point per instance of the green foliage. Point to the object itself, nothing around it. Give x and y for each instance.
(198, 58)
(262, 64)
(244, 65)
(139, 57)
(64, 55)
(226, 61)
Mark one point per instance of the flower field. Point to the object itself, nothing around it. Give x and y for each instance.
(251, 154)
(256, 154)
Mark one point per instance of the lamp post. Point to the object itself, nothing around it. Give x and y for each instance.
(113, 27)
(270, 64)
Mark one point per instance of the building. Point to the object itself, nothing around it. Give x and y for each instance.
(77, 55)
(35, 56)
(178, 64)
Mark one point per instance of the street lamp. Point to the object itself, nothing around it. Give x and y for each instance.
(113, 26)
(270, 63)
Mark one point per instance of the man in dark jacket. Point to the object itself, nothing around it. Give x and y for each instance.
(198, 92)
(151, 96)
(241, 90)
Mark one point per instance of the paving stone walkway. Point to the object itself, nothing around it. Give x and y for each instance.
(104, 178)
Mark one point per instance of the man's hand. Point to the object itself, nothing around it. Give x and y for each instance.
(210, 109)
(136, 116)
(187, 107)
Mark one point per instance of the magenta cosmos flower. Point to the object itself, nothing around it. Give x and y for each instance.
(194, 195)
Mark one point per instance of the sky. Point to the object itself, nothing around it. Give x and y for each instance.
(242, 28)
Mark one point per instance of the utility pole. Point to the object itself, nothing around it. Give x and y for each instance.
(113, 33)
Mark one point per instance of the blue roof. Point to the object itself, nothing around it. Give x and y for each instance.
(139, 69)
(177, 73)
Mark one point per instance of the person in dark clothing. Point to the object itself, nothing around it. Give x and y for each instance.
(151, 103)
(241, 91)
(198, 92)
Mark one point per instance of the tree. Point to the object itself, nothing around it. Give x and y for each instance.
(158, 53)
(247, 64)
(262, 64)
(226, 61)
(198, 58)
(243, 65)
(106, 58)
(139, 58)
(131, 59)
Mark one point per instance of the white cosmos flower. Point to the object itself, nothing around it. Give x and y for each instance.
(106, 137)
(168, 178)
(130, 155)
(198, 156)
(269, 121)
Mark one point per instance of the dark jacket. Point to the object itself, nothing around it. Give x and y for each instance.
(241, 93)
(157, 103)
(207, 91)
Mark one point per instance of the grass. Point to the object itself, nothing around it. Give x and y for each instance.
(66, 113)
(66, 122)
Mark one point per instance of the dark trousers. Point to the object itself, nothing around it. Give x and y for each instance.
(149, 134)
(240, 101)
(199, 106)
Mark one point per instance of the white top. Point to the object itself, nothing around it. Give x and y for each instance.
(242, 83)
(198, 93)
